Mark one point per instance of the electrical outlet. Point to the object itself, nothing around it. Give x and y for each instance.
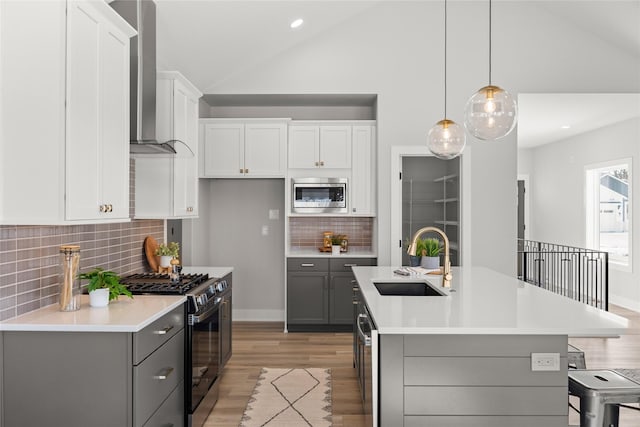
(265, 230)
(545, 361)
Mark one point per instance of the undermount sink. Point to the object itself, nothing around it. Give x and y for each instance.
(404, 288)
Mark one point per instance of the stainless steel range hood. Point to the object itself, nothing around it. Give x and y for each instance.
(141, 15)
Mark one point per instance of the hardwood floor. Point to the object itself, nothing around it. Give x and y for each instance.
(257, 345)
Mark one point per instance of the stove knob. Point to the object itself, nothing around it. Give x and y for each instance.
(202, 299)
(222, 285)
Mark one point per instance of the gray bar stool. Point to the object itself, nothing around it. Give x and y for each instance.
(599, 392)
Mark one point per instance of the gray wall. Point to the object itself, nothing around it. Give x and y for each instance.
(394, 50)
(557, 191)
(229, 233)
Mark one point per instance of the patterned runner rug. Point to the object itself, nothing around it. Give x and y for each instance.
(290, 398)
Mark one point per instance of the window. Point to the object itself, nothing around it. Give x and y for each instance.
(608, 210)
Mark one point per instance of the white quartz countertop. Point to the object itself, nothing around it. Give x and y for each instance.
(482, 301)
(122, 315)
(218, 272)
(315, 253)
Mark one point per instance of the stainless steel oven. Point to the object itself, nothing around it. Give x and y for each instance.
(202, 355)
(319, 195)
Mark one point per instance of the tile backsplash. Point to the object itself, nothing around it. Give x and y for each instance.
(29, 258)
(307, 232)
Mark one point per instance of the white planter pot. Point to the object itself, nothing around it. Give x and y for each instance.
(430, 262)
(335, 249)
(165, 260)
(99, 298)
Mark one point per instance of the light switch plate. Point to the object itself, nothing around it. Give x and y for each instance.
(274, 214)
(545, 361)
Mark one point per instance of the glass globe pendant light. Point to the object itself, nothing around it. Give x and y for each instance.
(446, 139)
(491, 113)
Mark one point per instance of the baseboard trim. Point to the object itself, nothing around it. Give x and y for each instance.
(247, 315)
(627, 303)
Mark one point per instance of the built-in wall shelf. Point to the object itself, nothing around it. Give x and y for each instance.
(447, 200)
(446, 178)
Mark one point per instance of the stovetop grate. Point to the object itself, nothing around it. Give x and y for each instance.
(154, 283)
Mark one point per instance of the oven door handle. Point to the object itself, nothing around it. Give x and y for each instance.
(363, 336)
(194, 319)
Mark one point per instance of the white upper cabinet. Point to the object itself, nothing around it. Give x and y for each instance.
(243, 148)
(363, 171)
(72, 164)
(97, 115)
(319, 146)
(167, 186)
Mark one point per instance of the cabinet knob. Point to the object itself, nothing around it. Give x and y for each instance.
(241, 170)
(317, 163)
(189, 209)
(246, 171)
(103, 208)
(322, 163)
(109, 208)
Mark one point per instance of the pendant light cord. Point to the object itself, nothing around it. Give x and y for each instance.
(445, 59)
(490, 42)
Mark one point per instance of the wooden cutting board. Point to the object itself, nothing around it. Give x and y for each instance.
(150, 246)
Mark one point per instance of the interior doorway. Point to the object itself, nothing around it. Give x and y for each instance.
(425, 192)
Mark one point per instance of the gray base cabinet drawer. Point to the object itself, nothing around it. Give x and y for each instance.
(157, 333)
(171, 413)
(343, 265)
(308, 264)
(156, 377)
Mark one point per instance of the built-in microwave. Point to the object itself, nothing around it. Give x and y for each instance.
(319, 195)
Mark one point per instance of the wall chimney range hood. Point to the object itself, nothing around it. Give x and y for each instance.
(141, 15)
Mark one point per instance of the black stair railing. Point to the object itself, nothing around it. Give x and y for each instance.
(576, 273)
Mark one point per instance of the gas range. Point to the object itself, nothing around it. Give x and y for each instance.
(199, 289)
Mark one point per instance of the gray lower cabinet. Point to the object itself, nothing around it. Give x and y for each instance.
(319, 293)
(471, 381)
(98, 379)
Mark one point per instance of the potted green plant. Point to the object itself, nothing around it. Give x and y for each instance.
(167, 252)
(104, 286)
(429, 250)
(336, 243)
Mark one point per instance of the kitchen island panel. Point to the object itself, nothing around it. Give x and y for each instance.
(484, 421)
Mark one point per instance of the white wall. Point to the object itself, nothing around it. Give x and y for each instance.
(395, 50)
(557, 195)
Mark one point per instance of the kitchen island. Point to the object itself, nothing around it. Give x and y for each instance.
(490, 351)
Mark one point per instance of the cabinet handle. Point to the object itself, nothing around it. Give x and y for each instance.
(354, 281)
(317, 163)
(190, 209)
(309, 264)
(354, 302)
(241, 170)
(246, 171)
(351, 265)
(164, 375)
(353, 209)
(355, 289)
(163, 331)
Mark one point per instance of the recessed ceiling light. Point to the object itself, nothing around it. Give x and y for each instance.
(296, 23)
(565, 127)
